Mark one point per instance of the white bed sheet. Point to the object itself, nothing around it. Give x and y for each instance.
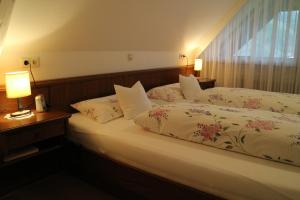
(223, 173)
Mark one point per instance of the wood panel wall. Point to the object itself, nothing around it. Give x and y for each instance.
(60, 93)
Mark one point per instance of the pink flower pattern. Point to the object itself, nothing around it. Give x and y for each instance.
(166, 94)
(208, 131)
(91, 113)
(171, 97)
(276, 110)
(216, 97)
(254, 103)
(261, 124)
(159, 114)
(153, 95)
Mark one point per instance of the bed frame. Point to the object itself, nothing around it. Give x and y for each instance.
(98, 169)
(125, 181)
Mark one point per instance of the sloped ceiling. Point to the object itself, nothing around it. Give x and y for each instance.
(115, 25)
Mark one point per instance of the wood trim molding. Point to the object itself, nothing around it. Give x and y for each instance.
(60, 93)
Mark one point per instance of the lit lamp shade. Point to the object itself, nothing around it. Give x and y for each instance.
(17, 84)
(198, 65)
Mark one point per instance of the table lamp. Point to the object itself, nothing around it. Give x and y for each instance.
(198, 67)
(18, 86)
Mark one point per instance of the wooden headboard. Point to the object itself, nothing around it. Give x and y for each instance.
(60, 93)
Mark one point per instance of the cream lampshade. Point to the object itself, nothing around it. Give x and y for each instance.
(198, 66)
(17, 86)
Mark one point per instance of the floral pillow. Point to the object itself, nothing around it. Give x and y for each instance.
(102, 109)
(168, 93)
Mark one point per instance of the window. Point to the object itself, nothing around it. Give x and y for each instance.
(276, 39)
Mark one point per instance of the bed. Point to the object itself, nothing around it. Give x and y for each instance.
(224, 174)
(173, 174)
(255, 125)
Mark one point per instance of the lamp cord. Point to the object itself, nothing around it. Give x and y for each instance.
(32, 75)
(187, 65)
(34, 83)
(30, 70)
(187, 61)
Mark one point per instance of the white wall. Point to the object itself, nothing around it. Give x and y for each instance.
(81, 37)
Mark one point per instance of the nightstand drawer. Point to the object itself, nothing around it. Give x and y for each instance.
(34, 134)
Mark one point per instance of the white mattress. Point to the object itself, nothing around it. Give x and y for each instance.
(223, 173)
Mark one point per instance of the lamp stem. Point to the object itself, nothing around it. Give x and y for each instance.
(197, 73)
(20, 106)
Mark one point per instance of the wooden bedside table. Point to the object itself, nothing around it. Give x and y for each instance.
(18, 134)
(43, 132)
(206, 83)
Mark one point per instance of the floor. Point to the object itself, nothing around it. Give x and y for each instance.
(59, 186)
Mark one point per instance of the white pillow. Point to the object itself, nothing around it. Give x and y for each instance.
(189, 86)
(102, 109)
(133, 101)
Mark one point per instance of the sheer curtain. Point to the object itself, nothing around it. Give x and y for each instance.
(258, 49)
(6, 7)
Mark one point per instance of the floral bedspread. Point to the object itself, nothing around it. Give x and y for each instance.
(268, 135)
(253, 99)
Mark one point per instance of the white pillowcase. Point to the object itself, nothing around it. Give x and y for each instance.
(102, 109)
(132, 101)
(189, 86)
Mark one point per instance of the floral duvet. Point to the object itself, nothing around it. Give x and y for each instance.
(268, 135)
(250, 98)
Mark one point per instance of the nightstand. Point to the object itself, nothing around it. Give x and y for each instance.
(206, 83)
(30, 148)
(34, 131)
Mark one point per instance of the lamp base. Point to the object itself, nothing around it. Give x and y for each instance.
(20, 114)
(197, 73)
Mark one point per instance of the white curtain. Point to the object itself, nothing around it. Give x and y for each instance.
(6, 7)
(258, 48)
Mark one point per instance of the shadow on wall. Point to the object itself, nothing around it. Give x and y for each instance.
(34, 21)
